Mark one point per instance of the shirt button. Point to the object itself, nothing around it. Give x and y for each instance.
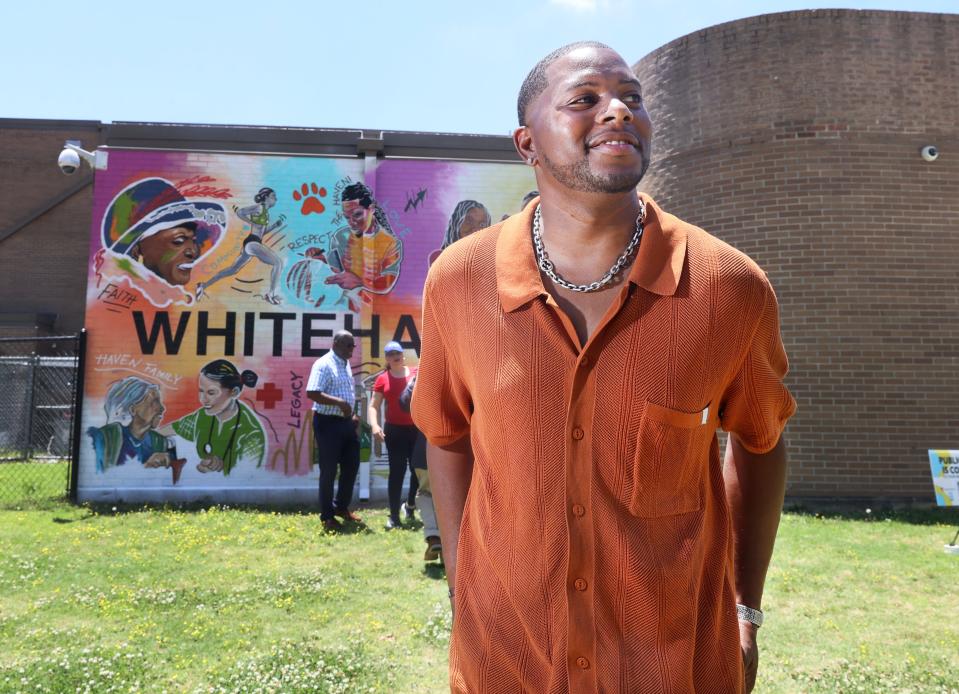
(584, 361)
(578, 510)
(582, 663)
(578, 433)
(580, 584)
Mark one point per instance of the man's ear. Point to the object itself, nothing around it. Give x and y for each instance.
(523, 141)
(134, 250)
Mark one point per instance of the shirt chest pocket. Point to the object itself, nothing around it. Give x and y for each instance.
(669, 466)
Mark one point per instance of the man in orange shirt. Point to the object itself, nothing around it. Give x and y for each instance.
(593, 540)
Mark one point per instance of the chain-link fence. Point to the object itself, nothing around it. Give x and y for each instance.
(38, 396)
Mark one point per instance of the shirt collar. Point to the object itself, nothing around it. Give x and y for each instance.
(657, 268)
(337, 359)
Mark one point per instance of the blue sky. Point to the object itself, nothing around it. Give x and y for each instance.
(427, 66)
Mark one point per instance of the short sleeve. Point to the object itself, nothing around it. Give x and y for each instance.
(97, 439)
(252, 440)
(391, 255)
(442, 405)
(185, 427)
(379, 385)
(407, 395)
(319, 378)
(756, 404)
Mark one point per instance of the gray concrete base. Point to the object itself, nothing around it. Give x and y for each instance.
(370, 487)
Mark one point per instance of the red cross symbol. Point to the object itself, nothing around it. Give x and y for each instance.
(269, 395)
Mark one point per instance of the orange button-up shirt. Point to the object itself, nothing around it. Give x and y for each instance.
(595, 553)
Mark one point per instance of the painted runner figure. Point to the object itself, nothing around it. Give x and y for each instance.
(258, 217)
(603, 547)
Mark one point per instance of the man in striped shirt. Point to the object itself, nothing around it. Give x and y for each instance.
(333, 391)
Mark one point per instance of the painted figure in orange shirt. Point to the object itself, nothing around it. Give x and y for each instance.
(365, 257)
(593, 539)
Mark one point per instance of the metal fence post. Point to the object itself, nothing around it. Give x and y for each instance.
(34, 362)
(77, 412)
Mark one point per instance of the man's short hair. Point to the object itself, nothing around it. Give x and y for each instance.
(535, 81)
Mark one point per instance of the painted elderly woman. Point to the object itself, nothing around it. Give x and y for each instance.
(226, 431)
(134, 408)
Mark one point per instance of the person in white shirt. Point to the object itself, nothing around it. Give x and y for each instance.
(333, 391)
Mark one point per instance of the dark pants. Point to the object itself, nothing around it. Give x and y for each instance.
(419, 452)
(336, 446)
(400, 440)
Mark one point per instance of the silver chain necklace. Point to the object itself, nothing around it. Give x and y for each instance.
(546, 265)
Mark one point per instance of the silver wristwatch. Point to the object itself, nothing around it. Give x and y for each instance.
(748, 614)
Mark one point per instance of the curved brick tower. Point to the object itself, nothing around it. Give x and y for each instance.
(796, 137)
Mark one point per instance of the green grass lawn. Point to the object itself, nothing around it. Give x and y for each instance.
(228, 600)
(32, 483)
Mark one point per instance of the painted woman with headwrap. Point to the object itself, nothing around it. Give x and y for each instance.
(153, 236)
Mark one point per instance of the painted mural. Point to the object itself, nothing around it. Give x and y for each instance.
(216, 280)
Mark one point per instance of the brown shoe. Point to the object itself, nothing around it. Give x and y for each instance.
(348, 515)
(332, 525)
(433, 549)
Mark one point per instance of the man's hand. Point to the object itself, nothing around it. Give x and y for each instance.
(159, 459)
(747, 642)
(344, 280)
(345, 408)
(378, 434)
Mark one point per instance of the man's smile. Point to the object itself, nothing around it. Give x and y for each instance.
(618, 142)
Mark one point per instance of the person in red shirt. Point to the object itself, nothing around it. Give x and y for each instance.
(398, 431)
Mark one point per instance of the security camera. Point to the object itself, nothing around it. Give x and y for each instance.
(72, 154)
(929, 153)
(68, 161)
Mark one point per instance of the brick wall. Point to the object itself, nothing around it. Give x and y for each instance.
(43, 265)
(795, 137)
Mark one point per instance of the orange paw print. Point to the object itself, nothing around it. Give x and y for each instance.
(310, 195)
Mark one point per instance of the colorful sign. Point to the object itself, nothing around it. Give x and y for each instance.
(215, 282)
(945, 476)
